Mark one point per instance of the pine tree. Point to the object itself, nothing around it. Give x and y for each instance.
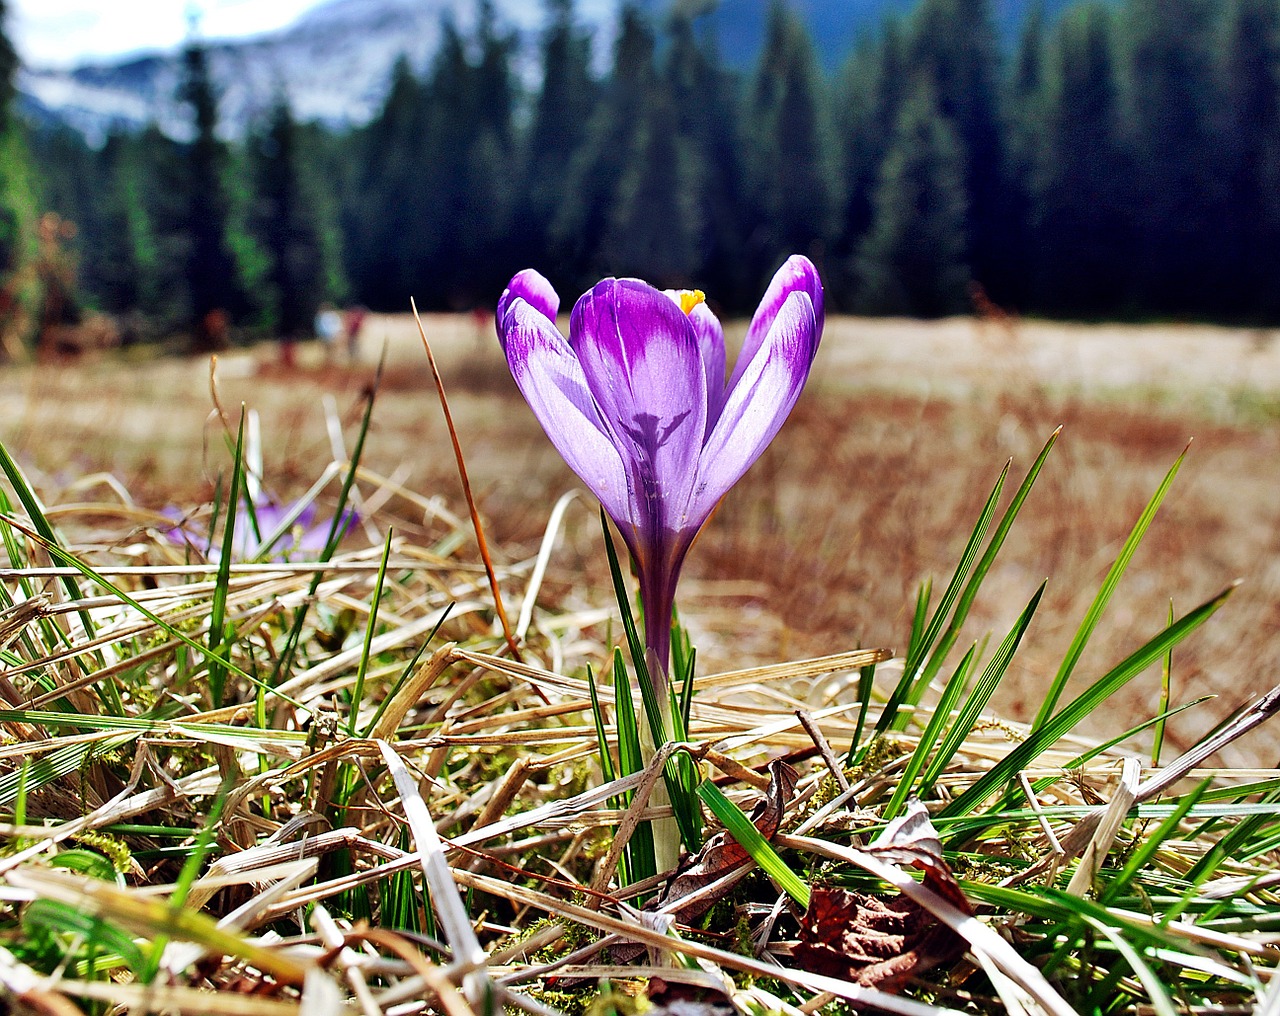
(912, 261)
(1251, 152)
(8, 69)
(18, 210)
(787, 138)
(385, 205)
(562, 110)
(122, 258)
(615, 133)
(1174, 98)
(706, 107)
(491, 174)
(1024, 114)
(210, 266)
(286, 220)
(1083, 206)
(653, 227)
(162, 166)
(868, 101)
(954, 44)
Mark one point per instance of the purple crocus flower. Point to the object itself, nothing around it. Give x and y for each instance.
(310, 531)
(635, 399)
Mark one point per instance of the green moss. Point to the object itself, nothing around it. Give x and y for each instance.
(113, 848)
(882, 750)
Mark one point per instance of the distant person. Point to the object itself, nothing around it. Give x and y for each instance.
(213, 333)
(353, 324)
(328, 327)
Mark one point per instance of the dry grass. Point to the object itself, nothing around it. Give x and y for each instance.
(871, 487)
(331, 810)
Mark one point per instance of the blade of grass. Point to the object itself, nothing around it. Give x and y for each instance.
(1230, 845)
(1065, 720)
(357, 693)
(889, 714)
(602, 741)
(107, 691)
(476, 524)
(158, 919)
(942, 711)
(35, 512)
(56, 916)
(1095, 751)
(685, 710)
(910, 688)
(284, 663)
(1166, 682)
(748, 836)
(683, 804)
(866, 682)
(1159, 998)
(72, 561)
(51, 766)
(643, 678)
(981, 694)
(190, 870)
(980, 571)
(218, 606)
(1094, 614)
(642, 861)
(1147, 847)
(920, 617)
(407, 671)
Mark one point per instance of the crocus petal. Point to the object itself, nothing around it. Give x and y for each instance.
(533, 289)
(759, 403)
(643, 365)
(314, 536)
(797, 275)
(551, 381)
(711, 341)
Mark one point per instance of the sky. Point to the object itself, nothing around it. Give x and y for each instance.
(59, 33)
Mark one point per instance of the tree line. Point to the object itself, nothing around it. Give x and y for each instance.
(1121, 160)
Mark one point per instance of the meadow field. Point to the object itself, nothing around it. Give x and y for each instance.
(252, 784)
(871, 487)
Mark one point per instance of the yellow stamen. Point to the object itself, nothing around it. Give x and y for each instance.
(690, 298)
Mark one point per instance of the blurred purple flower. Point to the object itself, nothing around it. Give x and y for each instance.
(636, 401)
(304, 539)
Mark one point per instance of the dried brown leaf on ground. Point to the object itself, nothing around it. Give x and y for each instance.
(883, 944)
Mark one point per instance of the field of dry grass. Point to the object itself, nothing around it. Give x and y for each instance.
(870, 488)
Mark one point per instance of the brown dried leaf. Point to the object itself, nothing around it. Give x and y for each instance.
(880, 944)
(912, 840)
(875, 944)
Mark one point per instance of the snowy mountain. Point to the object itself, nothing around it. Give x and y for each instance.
(334, 64)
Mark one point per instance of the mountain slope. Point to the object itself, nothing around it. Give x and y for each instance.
(335, 62)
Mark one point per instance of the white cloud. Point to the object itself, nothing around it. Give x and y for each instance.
(59, 33)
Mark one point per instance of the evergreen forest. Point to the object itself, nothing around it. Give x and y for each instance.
(1117, 160)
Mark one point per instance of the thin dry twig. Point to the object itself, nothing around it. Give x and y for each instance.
(481, 542)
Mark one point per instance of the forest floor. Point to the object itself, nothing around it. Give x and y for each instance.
(871, 488)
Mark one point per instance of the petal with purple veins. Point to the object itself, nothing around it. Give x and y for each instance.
(643, 364)
(531, 287)
(551, 381)
(758, 404)
(797, 274)
(711, 341)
